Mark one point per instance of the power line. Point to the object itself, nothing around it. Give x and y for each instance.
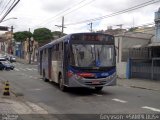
(139, 26)
(5, 7)
(80, 7)
(63, 11)
(1, 2)
(10, 9)
(117, 13)
(142, 25)
(73, 10)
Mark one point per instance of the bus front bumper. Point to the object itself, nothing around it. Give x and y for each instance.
(99, 82)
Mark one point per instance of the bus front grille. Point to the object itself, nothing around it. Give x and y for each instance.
(91, 83)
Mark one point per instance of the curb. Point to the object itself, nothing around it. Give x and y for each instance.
(17, 94)
(133, 86)
(144, 88)
(25, 62)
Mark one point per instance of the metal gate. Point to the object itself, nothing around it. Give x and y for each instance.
(145, 68)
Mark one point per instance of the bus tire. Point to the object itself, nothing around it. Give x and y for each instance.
(61, 83)
(98, 89)
(44, 77)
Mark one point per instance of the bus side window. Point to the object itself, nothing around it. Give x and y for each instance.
(57, 47)
(53, 53)
(60, 50)
(44, 51)
(62, 46)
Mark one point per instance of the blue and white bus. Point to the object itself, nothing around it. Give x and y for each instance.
(79, 60)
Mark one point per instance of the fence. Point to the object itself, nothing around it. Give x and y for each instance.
(145, 68)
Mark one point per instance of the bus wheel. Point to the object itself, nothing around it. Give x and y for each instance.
(98, 88)
(61, 84)
(44, 78)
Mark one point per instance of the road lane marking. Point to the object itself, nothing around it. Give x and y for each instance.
(118, 100)
(16, 69)
(28, 69)
(97, 95)
(151, 108)
(36, 89)
(36, 108)
(30, 76)
(22, 69)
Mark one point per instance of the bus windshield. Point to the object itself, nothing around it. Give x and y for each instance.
(91, 55)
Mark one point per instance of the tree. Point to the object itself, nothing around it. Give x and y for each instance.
(58, 33)
(132, 29)
(42, 34)
(22, 36)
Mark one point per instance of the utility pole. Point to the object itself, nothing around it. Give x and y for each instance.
(90, 26)
(11, 47)
(29, 49)
(61, 26)
(12, 29)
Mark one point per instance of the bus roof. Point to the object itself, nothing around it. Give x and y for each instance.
(66, 37)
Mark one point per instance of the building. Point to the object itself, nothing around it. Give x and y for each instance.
(146, 29)
(157, 25)
(6, 42)
(124, 42)
(112, 31)
(33, 50)
(145, 60)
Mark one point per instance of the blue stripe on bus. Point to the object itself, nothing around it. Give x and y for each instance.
(97, 74)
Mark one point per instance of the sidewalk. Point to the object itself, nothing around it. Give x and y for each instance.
(140, 83)
(17, 108)
(24, 61)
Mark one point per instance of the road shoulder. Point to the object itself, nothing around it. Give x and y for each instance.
(140, 83)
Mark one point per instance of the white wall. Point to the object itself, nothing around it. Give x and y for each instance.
(127, 41)
(121, 69)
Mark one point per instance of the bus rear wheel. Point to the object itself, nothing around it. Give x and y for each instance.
(44, 77)
(61, 84)
(98, 89)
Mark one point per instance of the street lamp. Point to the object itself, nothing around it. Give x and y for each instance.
(8, 19)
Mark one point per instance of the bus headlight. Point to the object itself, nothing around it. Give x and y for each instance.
(70, 74)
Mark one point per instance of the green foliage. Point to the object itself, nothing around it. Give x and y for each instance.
(22, 36)
(42, 34)
(58, 33)
(132, 29)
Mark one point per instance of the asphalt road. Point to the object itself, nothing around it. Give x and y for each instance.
(118, 99)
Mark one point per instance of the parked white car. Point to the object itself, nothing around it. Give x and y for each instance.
(12, 59)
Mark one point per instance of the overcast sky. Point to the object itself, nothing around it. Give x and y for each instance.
(48, 13)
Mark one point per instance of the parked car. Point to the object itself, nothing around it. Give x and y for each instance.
(2, 59)
(2, 67)
(6, 65)
(12, 59)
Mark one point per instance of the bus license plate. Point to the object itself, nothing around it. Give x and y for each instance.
(95, 82)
